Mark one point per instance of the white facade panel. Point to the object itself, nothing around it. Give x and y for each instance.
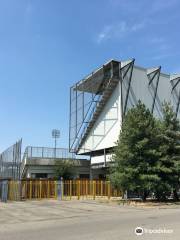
(97, 159)
(106, 129)
(139, 88)
(101, 159)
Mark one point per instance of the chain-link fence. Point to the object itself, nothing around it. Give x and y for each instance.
(10, 161)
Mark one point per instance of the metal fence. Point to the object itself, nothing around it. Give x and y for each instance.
(90, 189)
(10, 161)
(63, 190)
(45, 152)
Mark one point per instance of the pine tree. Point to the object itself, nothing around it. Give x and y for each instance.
(136, 154)
(169, 162)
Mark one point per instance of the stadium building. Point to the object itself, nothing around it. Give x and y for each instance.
(99, 102)
(40, 162)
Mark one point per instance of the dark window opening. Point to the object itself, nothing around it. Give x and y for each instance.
(41, 175)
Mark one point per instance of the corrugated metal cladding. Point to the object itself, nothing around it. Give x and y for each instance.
(99, 102)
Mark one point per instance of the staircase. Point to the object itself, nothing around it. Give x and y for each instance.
(107, 92)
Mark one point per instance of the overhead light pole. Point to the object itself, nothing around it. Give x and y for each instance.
(55, 135)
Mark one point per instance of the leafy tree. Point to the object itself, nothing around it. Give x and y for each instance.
(169, 162)
(136, 154)
(65, 169)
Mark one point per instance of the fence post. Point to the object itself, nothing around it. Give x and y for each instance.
(70, 189)
(109, 190)
(59, 189)
(9, 190)
(101, 188)
(19, 190)
(48, 189)
(62, 188)
(86, 188)
(30, 190)
(4, 191)
(55, 189)
(40, 189)
(26, 190)
(94, 190)
(78, 185)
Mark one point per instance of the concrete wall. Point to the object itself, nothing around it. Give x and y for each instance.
(35, 166)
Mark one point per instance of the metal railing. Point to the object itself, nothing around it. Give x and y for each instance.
(45, 152)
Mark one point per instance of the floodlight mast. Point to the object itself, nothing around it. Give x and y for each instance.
(55, 135)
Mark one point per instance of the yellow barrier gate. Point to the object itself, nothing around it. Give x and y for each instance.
(31, 189)
(68, 189)
(89, 189)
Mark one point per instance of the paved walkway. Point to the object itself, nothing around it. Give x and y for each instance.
(54, 220)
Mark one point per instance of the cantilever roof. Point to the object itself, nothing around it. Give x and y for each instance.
(93, 81)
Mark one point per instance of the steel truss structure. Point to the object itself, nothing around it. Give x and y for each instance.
(89, 96)
(175, 82)
(87, 99)
(153, 76)
(127, 96)
(10, 162)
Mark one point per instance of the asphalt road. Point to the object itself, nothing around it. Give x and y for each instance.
(54, 220)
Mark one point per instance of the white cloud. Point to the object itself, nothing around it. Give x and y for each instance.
(118, 30)
(111, 31)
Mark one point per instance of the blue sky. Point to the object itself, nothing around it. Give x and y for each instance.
(46, 46)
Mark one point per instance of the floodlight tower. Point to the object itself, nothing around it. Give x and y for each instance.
(55, 135)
